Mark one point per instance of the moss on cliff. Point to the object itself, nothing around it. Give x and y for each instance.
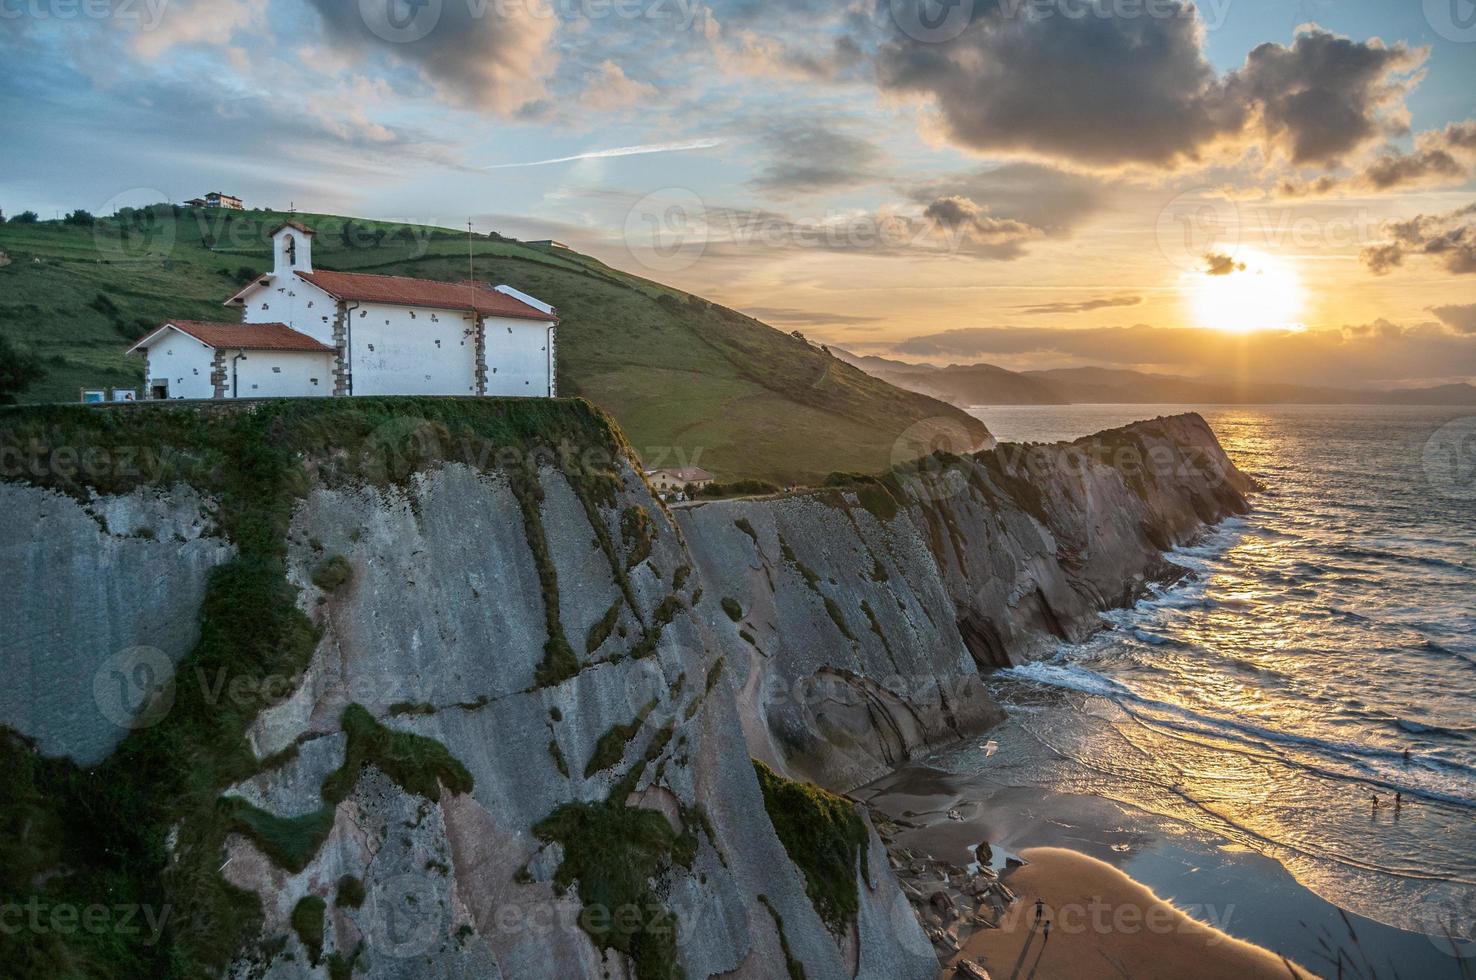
(824, 836)
(332, 573)
(291, 842)
(792, 965)
(872, 492)
(307, 922)
(611, 853)
(610, 748)
(637, 534)
(600, 632)
(418, 764)
(112, 824)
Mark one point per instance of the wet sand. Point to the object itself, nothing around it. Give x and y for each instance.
(1105, 924)
(944, 815)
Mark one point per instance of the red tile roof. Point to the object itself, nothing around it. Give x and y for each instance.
(244, 336)
(292, 224)
(426, 293)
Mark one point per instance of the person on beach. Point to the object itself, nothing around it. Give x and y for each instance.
(1047, 934)
(1039, 908)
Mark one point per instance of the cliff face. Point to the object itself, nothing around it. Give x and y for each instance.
(449, 704)
(862, 611)
(462, 699)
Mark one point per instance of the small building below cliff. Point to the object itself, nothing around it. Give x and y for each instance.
(679, 478)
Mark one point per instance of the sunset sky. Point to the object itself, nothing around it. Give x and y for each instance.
(1275, 189)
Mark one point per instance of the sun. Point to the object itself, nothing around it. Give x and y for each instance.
(1247, 292)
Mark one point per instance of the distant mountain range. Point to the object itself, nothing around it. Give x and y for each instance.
(986, 384)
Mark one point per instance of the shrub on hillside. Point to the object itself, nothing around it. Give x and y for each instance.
(738, 488)
(19, 369)
(24, 218)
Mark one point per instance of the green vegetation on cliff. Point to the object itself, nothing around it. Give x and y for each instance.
(146, 827)
(688, 380)
(611, 853)
(824, 836)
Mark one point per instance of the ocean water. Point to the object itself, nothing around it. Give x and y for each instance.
(1267, 700)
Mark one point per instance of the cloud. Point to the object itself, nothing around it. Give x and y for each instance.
(748, 53)
(961, 221)
(727, 232)
(1380, 352)
(1325, 96)
(493, 57)
(1461, 319)
(809, 158)
(1052, 200)
(1382, 259)
(213, 22)
(1448, 238)
(1106, 91)
(608, 88)
(1220, 264)
(1441, 156)
(790, 316)
(1085, 306)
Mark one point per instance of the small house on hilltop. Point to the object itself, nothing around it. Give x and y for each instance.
(215, 199)
(679, 478)
(308, 333)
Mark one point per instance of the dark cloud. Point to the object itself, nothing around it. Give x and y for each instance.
(1449, 238)
(1439, 156)
(952, 212)
(1107, 90)
(1459, 318)
(1398, 169)
(1220, 264)
(1324, 96)
(808, 158)
(1367, 353)
(1085, 306)
(962, 221)
(1095, 90)
(1382, 259)
(1052, 200)
(487, 56)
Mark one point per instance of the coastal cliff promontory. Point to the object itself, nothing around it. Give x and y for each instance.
(863, 612)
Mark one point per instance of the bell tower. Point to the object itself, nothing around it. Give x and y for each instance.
(292, 249)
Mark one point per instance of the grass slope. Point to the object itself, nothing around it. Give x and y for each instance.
(690, 382)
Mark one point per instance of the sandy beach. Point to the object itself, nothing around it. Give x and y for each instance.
(1106, 925)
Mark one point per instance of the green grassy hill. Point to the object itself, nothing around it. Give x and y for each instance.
(690, 382)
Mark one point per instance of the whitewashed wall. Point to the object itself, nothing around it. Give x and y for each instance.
(517, 357)
(279, 374)
(297, 303)
(184, 362)
(397, 351)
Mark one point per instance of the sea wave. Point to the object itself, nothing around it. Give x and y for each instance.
(1449, 781)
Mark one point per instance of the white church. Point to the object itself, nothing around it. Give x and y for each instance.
(306, 333)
